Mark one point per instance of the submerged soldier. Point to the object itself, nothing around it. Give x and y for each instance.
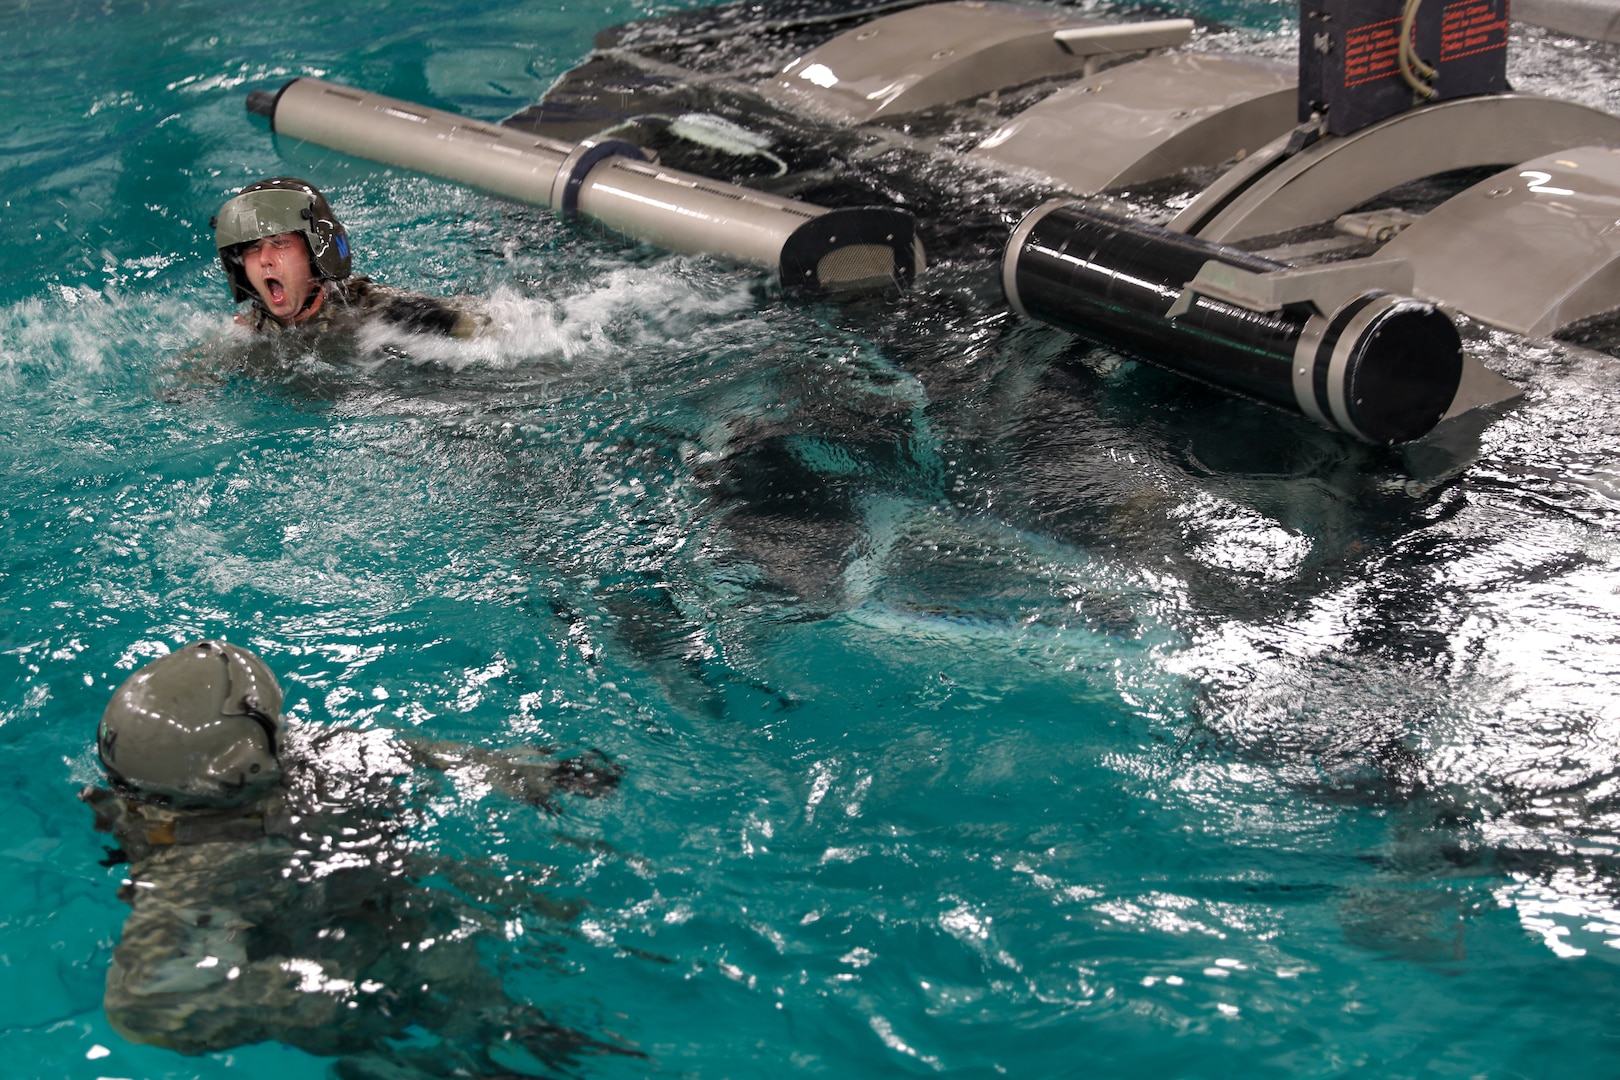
(285, 252)
(273, 891)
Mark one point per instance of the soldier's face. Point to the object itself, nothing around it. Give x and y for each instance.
(278, 269)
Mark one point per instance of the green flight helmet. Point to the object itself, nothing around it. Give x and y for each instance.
(282, 204)
(198, 728)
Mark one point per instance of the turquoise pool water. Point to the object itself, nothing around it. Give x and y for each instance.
(987, 706)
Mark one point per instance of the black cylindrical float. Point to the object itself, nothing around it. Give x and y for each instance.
(1381, 367)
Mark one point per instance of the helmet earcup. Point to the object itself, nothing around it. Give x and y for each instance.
(328, 241)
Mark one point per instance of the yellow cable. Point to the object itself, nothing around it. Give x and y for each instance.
(1417, 74)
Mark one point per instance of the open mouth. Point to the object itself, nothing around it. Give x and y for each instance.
(274, 291)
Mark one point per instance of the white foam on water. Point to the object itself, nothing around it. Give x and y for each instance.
(616, 309)
(77, 331)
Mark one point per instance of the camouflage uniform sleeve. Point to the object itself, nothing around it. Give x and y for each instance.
(181, 975)
(420, 314)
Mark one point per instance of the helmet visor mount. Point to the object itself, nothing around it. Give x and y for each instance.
(247, 697)
(259, 214)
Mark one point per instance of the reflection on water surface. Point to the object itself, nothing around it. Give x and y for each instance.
(986, 703)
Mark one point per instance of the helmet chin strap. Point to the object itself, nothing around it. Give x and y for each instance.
(311, 302)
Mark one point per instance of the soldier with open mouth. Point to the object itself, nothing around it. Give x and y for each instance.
(286, 254)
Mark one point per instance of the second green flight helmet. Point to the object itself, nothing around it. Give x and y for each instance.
(282, 204)
(199, 727)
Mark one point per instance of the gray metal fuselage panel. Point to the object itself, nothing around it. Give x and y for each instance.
(923, 57)
(1146, 120)
(1268, 193)
(1532, 249)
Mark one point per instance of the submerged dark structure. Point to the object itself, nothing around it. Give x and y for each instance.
(821, 140)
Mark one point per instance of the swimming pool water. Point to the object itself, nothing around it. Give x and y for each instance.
(988, 706)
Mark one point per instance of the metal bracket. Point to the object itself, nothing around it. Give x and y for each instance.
(1327, 288)
(1379, 226)
(1123, 37)
(578, 165)
(1098, 44)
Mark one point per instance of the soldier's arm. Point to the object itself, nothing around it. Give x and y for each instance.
(530, 773)
(420, 314)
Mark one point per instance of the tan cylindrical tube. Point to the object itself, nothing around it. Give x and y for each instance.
(610, 181)
(488, 156)
(687, 213)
